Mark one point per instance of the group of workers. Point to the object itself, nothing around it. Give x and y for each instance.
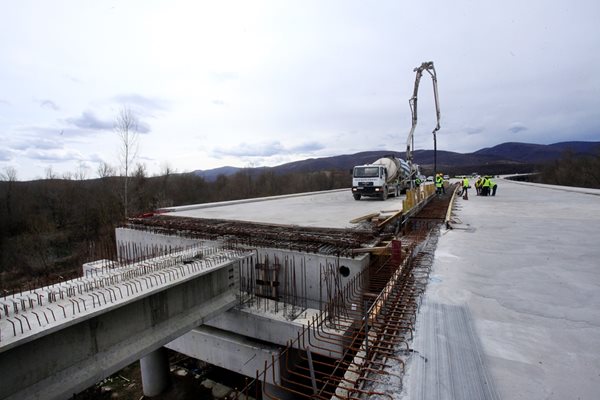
(484, 186)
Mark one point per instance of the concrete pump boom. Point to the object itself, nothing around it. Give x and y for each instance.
(426, 66)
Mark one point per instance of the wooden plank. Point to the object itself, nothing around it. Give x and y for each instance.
(376, 250)
(364, 218)
(390, 219)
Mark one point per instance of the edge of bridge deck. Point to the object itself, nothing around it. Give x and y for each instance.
(521, 271)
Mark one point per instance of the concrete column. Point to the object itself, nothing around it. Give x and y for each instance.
(276, 392)
(155, 372)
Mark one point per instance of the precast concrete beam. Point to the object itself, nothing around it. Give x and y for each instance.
(228, 350)
(58, 362)
(274, 328)
(144, 240)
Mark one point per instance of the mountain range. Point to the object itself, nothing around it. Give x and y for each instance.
(503, 158)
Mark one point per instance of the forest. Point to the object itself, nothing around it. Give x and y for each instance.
(51, 226)
(572, 170)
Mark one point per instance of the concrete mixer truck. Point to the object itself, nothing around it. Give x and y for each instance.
(387, 176)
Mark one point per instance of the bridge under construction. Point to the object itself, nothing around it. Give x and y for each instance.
(308, 296)
(269, 288)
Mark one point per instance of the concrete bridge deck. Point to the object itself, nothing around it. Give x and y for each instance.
(512, 309)
(328, 209)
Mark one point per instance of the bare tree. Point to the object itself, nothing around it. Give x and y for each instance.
(105, 170)
(82, 171)
(126, 127)
(50, 174)
(140, 171)
(8, 174)
(166, 169)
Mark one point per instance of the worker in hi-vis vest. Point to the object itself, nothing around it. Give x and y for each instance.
(439, 184)
(493, 187)
(485, 187)
(465, 188)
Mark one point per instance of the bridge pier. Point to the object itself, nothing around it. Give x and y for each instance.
(155, 372)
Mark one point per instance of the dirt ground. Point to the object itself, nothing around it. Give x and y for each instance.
(187, 376)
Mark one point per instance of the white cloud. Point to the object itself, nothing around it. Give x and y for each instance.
(267, 149)
(5, 155)
(259, 82)
(54, 155)
(88, 120)
(49, 104)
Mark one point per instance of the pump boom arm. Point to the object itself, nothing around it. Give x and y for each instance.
(426, 66)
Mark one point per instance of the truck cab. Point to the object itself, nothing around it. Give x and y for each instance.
(372, 181)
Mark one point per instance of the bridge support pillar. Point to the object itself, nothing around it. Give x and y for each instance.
(155, 372)
(270, 391)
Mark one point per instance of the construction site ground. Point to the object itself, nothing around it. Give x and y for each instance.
(512, 309)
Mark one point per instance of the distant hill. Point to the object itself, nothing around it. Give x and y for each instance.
(537, 153)
(512, 156)
(212, 174)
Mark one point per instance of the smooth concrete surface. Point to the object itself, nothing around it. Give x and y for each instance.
(154, 368)
(240, 201)
(311, 271)
(524, 268)
(329, 209)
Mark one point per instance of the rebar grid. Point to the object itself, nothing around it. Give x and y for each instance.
(306, 239)
(266, 282)
(373, 314)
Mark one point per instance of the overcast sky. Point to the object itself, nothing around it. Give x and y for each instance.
(242, 83)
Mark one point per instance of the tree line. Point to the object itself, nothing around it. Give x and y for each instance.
(573, 170)
(51, 226)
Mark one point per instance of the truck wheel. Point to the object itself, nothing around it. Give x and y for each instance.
(356, 196)
(384, 195)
